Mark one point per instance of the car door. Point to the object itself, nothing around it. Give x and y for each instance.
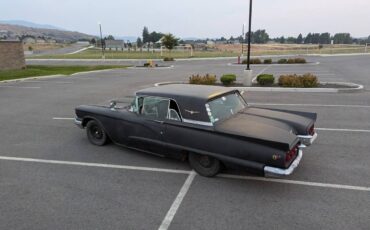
(147, 133)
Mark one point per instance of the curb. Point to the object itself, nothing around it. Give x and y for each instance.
(152, 68)
(357, 88)
(53, 76)
(310, 63)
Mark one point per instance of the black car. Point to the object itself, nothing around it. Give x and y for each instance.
(210, 126)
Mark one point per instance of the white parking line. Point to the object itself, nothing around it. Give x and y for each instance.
(312, 105)
(94, 165)
(63, 118)
(177, 202)
(315, 184)
(176, 171)
(20, 87)
(261, 72)
(345, 130)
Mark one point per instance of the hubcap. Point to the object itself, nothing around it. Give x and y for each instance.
(205, 161)
(96, 132)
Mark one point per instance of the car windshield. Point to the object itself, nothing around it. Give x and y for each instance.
(225, 106)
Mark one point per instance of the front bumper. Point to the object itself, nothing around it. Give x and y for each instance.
(307, 140)
(78, 122)
(278, 172)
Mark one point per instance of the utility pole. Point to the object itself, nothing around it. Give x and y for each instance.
(101, 42)
(249, 34)
(242, 40)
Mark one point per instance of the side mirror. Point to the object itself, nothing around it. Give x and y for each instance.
(112, 104)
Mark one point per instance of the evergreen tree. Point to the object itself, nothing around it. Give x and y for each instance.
(139, 43)
(146, 37)
(299, 39)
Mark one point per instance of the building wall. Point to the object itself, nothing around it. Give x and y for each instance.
(11, 55)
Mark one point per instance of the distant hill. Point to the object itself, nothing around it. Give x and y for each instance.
(16, 31)
(29, 24)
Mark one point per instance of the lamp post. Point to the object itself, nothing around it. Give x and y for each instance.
(247, 81)
(249, 34)
(243, 39)
(101, 42)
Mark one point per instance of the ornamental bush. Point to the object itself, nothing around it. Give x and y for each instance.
(168, 59)
(296, 60)
(252, 61)
(265, 79)
(267, 61)
(207, 79)
(228, 79)
(307, 80)
(282, 61)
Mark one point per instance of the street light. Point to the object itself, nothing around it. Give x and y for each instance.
(249, 34)
(101, 42)
(243, 39)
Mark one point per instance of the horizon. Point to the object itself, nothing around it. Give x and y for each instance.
(286, 21)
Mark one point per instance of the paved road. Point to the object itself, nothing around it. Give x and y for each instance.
(330, 189)
(65, 50)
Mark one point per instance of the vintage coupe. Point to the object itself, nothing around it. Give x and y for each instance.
(210, 126)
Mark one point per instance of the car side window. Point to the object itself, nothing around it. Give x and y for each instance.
(173, 111)
(155, 108)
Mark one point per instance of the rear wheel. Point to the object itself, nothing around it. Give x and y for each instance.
(204, 165)
(95, 133)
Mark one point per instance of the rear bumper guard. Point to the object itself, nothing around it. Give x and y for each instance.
(307, 140)
(279, 172)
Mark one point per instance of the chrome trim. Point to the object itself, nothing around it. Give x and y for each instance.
(307, 139)
(78, 123)
(277, 172)
(197, 122)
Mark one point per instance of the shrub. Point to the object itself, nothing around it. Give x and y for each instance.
(300, 60)
(147, 64)
(282, 61)
(267, 61)
(228, 79)
(265, 79)
(252, 61)
(296, 60)
(307, 80)
(207, 79)
(168, 59)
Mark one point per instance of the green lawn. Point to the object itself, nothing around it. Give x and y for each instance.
(41, 70)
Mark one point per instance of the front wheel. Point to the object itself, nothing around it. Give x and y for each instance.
(204, 165)
(95, 133)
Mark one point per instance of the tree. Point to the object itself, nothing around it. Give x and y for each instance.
(282, 40)
(291, 40)
(342, 38)
(299, 39)
(260, 37)
(169, 41)
(308, 39)
(110, 37)
(139, 43)
(154, 36)
(324, 38)
(146, 35)
(93, 41)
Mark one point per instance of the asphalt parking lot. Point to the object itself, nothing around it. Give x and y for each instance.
(52, 178)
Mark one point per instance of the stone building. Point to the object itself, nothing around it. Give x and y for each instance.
(11, 55)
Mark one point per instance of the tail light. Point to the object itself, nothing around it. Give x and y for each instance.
(311, 131)
(291, 155)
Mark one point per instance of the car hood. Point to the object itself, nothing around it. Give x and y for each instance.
(272, 126)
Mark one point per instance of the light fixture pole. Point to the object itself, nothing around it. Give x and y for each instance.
(243, 39)
(101, 42)
(249, 34)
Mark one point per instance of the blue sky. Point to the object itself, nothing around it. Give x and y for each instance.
(195, 18)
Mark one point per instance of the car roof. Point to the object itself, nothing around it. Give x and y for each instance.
(191, 99)
(201, 92)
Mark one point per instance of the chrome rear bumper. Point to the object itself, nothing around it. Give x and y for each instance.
(278, 172)
(307, 140)
(78, 123)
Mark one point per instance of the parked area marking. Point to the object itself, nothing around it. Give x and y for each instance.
(312, 105)
(261, 72)
(345, 130)
(177, 202)
(63, 118)
(176, 171)
(21, 87)
(297, 182)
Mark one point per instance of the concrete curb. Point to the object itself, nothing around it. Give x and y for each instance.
(310, 63)
(152, 68)
(356, 88)
(53, 76)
